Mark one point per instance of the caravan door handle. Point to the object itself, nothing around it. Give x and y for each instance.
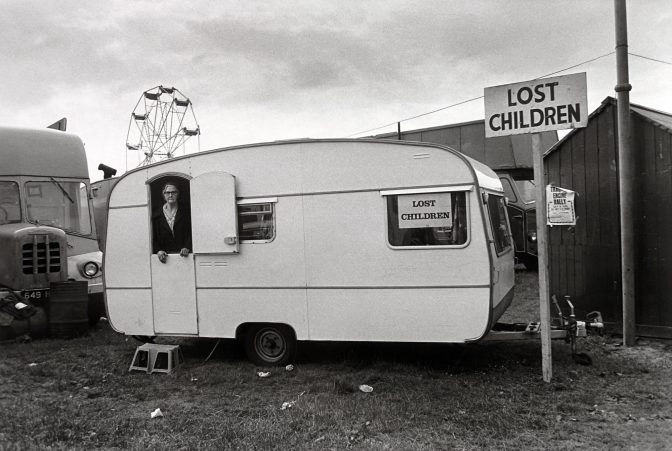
(230, 239)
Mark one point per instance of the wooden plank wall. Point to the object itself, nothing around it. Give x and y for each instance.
(584, 261)
(653, 228)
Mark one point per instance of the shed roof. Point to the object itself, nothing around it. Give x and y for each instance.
(659, 118)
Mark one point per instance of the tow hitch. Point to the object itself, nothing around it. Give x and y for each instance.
(563, 326)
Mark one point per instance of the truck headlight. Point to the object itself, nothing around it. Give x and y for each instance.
(90, 269)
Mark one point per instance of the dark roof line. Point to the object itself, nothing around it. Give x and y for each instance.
(639, 110)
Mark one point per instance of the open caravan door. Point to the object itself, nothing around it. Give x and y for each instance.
(214, 215)
(214, 230)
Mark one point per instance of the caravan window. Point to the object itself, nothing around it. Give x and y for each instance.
(256, 222)
(427, 219)
(10, 207)
(59, 204)
(500, 225)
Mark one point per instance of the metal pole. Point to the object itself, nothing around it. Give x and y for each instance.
(542, 255)
(399, 131)
(626, 174)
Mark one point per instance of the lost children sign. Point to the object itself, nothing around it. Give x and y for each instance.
(425, 210)
(533, 107)
(536, 106)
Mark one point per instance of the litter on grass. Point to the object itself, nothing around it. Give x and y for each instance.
(156, 414)
(264, 373)
(365, 388)
(289, 367)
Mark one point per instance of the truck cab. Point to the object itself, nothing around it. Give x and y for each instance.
(46, 215)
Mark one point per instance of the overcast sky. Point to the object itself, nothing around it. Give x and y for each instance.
(263, 71)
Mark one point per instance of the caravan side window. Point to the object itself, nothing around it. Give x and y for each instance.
(427, 219)
(256, 222)
(500, 225)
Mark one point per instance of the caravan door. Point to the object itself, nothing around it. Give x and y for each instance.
(174, 295)
(214, 228)
(214, 218)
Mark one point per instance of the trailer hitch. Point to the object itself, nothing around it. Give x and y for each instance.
(566, 327)
(577, 328)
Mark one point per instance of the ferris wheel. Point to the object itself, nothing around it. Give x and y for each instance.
(161, 124)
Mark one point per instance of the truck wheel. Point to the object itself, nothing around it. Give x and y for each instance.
(270, 344)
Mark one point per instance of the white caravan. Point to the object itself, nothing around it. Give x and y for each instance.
(345, 240)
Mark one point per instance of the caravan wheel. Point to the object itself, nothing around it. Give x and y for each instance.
(270, 344)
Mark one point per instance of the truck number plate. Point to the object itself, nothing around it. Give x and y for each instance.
(35, 295)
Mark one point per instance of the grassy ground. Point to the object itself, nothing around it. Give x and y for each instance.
(78, 394)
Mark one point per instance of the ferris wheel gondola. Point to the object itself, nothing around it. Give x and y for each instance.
(161, 124)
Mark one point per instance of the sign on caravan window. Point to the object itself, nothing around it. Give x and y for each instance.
(427, 219)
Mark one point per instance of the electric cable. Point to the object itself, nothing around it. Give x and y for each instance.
(479, 97)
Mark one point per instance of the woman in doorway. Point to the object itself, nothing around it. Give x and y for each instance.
(171, 225)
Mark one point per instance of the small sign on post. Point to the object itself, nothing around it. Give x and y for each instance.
(560, 206)
(537, 106)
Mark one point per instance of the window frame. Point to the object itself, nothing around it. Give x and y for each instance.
(18, 198)
(465, 189)
(258, 201)
(84, 211)
(500, 206)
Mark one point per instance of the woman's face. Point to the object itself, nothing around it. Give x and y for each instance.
(170, 194)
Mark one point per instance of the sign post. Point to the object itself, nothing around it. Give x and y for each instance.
(532, 107)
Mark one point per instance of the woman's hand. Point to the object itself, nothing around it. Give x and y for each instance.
(163, 256)
(184, 252)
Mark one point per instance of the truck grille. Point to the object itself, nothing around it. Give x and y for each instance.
(41, 256)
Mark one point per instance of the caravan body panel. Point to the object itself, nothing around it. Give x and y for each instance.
(327, 268)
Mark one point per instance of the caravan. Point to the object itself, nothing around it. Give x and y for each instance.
(345, 240)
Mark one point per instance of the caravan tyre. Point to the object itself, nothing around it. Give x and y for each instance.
(270, 344)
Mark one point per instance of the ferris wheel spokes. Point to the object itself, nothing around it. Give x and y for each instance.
(161, 123)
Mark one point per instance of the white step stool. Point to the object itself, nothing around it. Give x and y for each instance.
(152, 357)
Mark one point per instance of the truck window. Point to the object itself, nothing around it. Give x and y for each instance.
(427, 219)
(508, 189)
(256, 222)
(59, 204)
(10, 207)
(500, 226)
(527, 190)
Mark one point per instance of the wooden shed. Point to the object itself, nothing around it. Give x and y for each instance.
(584, 261)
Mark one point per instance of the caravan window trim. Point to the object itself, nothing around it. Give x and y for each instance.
(395, 194)
(439, 189)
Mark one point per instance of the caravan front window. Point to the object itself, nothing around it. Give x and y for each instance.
(500, 225)
(59, 204)
(10, 207)
(427, 219)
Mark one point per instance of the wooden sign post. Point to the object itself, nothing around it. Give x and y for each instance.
(542, 255)
(532, 107)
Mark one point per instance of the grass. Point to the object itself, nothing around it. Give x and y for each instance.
(78, 394)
